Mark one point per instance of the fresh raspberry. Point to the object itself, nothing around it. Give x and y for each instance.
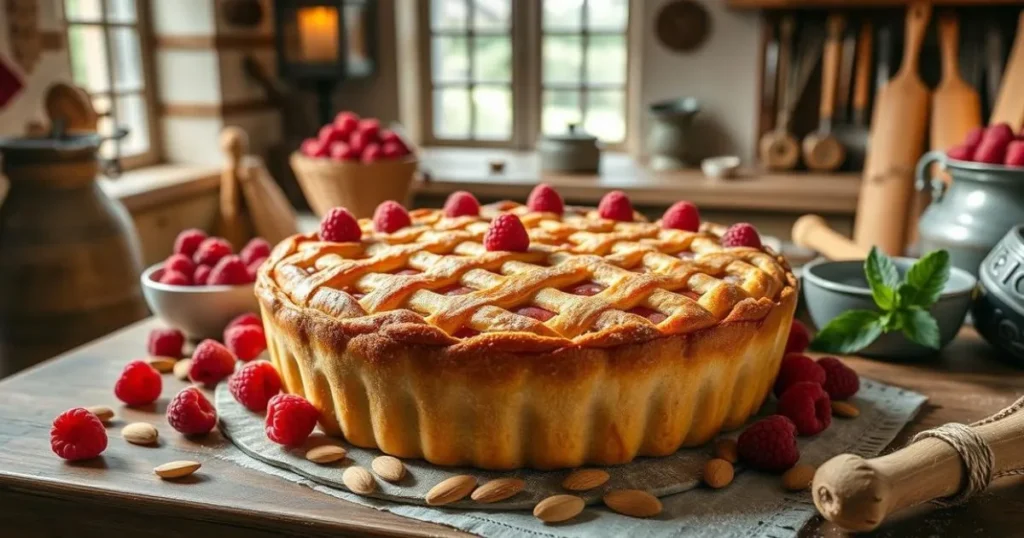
(974, 136)
(507, 233)
(254, 385)
(616, 206)
(188, 241)
(681, 216)
(545, 199)
(796, 368)
(841, 382)
(211, 363)
(1015, 153)
(390, 216)
(174, 278)
(461, 204)
(249, 318)
(165, 343)
(77, 434)
(290, 419)
(808, 406)
(339, 226)
(211, 250)
(253, 268)
(255, 249)
(340, 151)
(769, 444)
(191, 413)
(139, 384)
(229, 271)
(312, 147)
(991, 151)
(741, 234)
(1001, 132)
(329, 134)
(372, 153)
(202, 275)
(347, 123)
(799, 338)
(394, 149)
(180, 263)
(370, 127)
(246, 341)
(963, 152)
(359, 141)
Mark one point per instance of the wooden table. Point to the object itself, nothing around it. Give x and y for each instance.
(118, 495)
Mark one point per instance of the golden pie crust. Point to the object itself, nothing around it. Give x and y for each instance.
(411, 342)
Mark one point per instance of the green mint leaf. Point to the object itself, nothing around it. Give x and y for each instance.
(849, 332)
(883, 278)
(919, 326)
(927, 278)
(890, 321)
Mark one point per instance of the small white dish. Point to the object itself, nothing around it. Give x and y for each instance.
(722, 167)
(198, 311)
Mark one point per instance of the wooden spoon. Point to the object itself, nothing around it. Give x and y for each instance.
(956, 106)
(822, 151)
(778, 149)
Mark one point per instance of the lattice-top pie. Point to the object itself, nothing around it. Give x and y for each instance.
(604, 340)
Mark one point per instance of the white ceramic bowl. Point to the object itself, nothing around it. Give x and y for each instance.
(720, 167)
(198, 311)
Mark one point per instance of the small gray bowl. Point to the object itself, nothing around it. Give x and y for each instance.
(198, 311)
(833, 287)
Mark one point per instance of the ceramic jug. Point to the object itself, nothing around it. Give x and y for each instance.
(667, 141)
(970, 215)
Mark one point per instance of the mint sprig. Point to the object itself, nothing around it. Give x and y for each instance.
(903, 305)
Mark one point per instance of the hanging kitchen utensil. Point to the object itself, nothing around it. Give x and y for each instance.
(849, 51)
(778, 148)
(993, 61)
(898, 127)
(770, 82)
(821, 150)
(854, 133)
(1009, 107)
(956, 107)
(883, 69)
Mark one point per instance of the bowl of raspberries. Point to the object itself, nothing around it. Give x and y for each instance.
(204, 283)
(353, 162)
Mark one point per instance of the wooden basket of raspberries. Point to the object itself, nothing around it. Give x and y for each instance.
(354, 163)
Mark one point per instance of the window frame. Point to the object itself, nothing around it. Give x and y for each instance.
(142, 26)
(526, 33)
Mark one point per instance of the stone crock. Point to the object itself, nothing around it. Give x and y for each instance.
(972, 214)
(574, 152)
(999, 307)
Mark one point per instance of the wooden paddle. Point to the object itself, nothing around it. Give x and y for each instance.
(1009, 106)
(898, 127)
(956, 106)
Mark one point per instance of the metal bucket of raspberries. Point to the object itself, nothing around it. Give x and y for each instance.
(985, 197)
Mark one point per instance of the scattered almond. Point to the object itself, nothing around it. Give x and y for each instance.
(718, 473)
(498, 489)
(725, 449)
(162, 364)
(177, 469)
(798, 478)
(450, 490)
(140, 433)
(585, 479)
(632, 502)
(845, 409)
(389, 468)
(102, 412)
(181, 369)
(359, 480)
(558, 508)
(326, 454)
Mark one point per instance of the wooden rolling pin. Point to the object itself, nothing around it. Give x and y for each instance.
(811, 231)
(859, 494)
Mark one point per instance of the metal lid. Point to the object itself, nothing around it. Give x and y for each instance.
(573, 133)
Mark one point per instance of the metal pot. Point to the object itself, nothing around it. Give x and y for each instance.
(667, 141)
(999, 307)
(575, 152)
(972, 214)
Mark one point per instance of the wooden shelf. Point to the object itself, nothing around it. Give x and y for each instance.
(855, 4)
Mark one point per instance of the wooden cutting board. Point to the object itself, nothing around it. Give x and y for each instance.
(1009, 106)
(898, 128)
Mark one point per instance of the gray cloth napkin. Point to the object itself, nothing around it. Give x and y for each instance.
(754, 505)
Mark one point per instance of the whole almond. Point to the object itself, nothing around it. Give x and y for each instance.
(177, 469)
(585, 479)
(181, 369)
(359, 480)
(162, 364)
(140, 433)
(326, 454)
(798, 478)
(498, 489)
(450, 490)
(102, 412)
(725, 449)
(845, 409)
(558, 508)
(632, 502)
(389, 468)
(718, 473)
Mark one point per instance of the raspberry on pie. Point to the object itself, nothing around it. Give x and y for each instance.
(589, 347)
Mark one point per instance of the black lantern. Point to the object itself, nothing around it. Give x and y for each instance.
(323, 42)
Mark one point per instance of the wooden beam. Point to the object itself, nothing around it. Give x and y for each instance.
(213, 42)
(215, 110)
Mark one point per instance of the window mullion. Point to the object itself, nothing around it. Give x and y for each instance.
(584, 44)
(527, 78)
(471, 67)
